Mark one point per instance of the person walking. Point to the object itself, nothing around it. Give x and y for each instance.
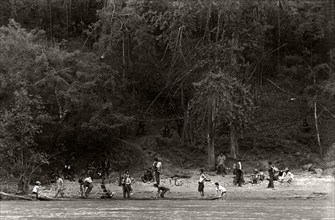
(60, 186)
(157, 166)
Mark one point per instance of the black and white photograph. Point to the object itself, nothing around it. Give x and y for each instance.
(167, 109)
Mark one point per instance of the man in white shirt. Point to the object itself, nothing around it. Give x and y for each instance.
(157, 165)
(86, 183)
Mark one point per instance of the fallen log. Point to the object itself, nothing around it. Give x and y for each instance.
(15, 196)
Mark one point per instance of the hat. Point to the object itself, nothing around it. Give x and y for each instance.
(38, 183)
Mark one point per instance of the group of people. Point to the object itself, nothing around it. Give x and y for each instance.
(257, 176)
(154, 173)
(220, 190)
(280, 175)
(37, 189)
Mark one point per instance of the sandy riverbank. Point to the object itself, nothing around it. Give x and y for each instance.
(304, 186)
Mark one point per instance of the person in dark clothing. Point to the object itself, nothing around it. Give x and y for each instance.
(68, 171)
(234, 174)
(271, 175)
(147, 176)
(107, 194)
(161, 190)
(239, 174)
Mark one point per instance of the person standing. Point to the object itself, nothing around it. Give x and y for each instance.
(157, 165)
(239, 174)
(126, 185)
(221, 168)
(60, 186)
(201, 183)
(271, 175)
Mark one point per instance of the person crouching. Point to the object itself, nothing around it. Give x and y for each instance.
(86, 186)
(161, 190)
(36, 189)
(220, 191)
(286, 177)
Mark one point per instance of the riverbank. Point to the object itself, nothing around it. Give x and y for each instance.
(304, 186)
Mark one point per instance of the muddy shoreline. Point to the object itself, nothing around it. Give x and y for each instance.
(305, 186)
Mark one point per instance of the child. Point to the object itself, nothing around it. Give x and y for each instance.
(37, 188)
(60, 186)
(161, 190)
(201, 183)
(220, 191)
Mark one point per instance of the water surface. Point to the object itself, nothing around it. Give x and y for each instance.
(168, 209)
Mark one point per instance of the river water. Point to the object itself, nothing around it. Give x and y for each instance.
(168, 209)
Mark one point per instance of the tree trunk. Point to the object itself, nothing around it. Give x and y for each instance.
(50, 19)
(123, 60)
(316, 121)
(233, 141)
(317, 129)
(210, 139)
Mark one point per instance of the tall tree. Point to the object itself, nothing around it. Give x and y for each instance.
(225, 101)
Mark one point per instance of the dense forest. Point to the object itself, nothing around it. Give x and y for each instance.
(79, 78)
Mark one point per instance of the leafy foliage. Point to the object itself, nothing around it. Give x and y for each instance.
(232, 100)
